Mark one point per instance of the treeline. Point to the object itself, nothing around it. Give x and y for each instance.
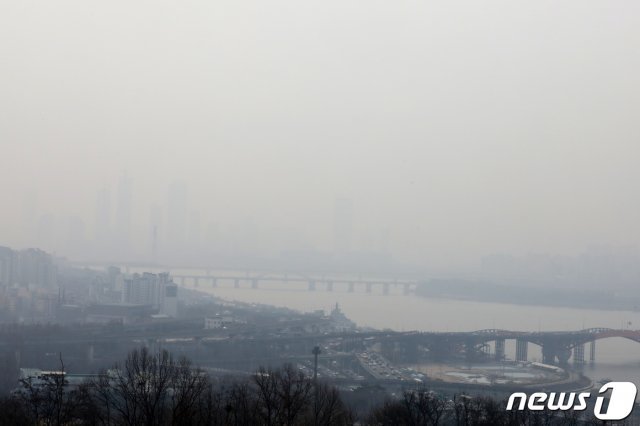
(157, 389)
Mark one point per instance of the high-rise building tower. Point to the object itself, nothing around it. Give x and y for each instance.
(194, 234)
(177, 213)
(123, 213)
(155, 231)
(103, 218)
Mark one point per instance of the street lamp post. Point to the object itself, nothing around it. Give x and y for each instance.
(316, 351)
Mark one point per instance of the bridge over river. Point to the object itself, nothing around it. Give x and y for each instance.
(310, 282)
(557, 347)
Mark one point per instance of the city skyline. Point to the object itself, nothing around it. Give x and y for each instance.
(330, 212)
(170, 223)
(268, 119)
(119, 227)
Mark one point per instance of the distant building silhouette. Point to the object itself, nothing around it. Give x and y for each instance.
(46, 231)
(123, 213)
(102, 229)
(155, 231)
(177, 213)
(27, 267)
(342, 225)
(156, 290)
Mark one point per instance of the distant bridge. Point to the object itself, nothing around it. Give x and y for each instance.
(557, 346)
(309, 281)
(255, 278)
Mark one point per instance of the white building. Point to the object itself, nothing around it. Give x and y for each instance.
(217, 322)
(156, 290)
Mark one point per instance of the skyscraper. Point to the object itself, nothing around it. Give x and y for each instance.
(123, 213)
(103, 218)
(194, 231)
(155, 230)
(177, 213)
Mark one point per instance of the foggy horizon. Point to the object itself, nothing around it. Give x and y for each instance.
(337, 212)
(432, 134)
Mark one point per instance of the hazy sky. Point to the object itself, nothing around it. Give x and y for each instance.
(457, 128)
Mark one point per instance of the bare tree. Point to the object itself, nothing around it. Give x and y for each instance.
(210, 409)
(266, 381)
(430, 406)
(150, 389)
(188, 386)
(328, 408)
(14, 413)
(104, 398)
(46, 398)
(416, 407)
(294, 391)
(242, 405)
(390, 413)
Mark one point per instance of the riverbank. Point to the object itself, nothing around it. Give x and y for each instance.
(487, 292)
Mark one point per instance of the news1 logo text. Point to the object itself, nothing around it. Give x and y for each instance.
(621, 401)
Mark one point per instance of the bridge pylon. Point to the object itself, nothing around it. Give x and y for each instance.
(499, 352)
(470, 349)
(522, 349)
(592, 351)
(578, 354)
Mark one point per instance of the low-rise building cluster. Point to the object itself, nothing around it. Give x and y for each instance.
(28, 285)
(37, 288)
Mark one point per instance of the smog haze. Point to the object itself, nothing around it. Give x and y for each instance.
(433, 133)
